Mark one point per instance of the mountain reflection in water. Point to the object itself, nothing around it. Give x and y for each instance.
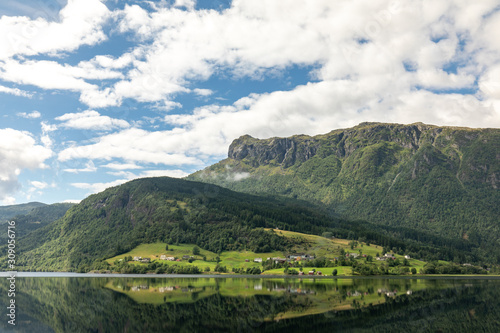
(123, 304)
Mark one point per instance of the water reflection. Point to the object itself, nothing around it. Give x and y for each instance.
(252, 305)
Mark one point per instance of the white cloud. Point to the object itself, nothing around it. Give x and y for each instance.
(118, 166)
(89, 167)
(72, 201)
(188, 4)
(15, 92)
(203, 92)
(164, 173)
(79, 24)
(91, 120)
(128, 176)
(8, 201)
(18, 151)
(43, 74)
(32, 115)
(39, 185)
(134, 145)
(45, 137)
(99, 187)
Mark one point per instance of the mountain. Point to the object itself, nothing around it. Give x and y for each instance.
(8, 212)
(37, 218)
(161, 209)
(441, 180)
(216, 219)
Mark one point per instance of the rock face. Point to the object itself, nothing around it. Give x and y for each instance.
(441, 179)
(284, 151)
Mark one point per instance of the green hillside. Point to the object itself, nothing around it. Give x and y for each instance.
(442, 181)
(160, 209)
(37, 218)
(218, 220)
(8, 212)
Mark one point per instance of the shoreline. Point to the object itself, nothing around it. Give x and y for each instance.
(243, 276)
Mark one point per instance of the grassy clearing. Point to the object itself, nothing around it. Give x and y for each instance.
(316, 246)
(155, 250)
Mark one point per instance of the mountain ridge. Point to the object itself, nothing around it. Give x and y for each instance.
(434, 178)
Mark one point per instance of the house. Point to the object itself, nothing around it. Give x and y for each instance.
(407, 257)
(246, 260)
(186, 257)
(301, 273)
(319, 273)
(300, 256)
(145, 260)
(137, 258)
(352, 255)
(163, 257)
(257, 260)
(279, 260)
(311, 272)
(170, 258)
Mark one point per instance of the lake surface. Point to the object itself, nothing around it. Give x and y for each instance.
(208, 304)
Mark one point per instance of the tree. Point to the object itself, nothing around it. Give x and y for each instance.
(196, 250)
(207, 269)
(413, 270)
(327, 234)
(334, 273)
(166, 247)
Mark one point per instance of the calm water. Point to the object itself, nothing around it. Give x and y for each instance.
(125, 304)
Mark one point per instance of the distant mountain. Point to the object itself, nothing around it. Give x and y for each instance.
(441, 180)
(8, 212)
(37, 218)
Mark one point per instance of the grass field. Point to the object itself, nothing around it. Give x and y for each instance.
(306, 244)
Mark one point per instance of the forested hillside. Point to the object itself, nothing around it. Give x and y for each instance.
(8, 212)
(37, 218)
(440, 180)
(177, 211)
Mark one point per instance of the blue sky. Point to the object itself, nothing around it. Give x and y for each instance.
(94, 93)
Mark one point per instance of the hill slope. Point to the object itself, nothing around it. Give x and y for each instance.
(161, 209)
(8, 212)
(442, 180)
(38, 218)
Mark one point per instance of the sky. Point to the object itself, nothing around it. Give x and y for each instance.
(95, 93)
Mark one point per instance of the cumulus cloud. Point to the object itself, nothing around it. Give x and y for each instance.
(91, 120)
(18, 151)
(134, 145)
(80, 23)
(32, 115)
